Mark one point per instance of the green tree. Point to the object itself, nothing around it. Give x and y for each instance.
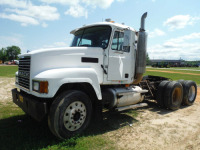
(13, 52)
(148, 62)
(3, 55)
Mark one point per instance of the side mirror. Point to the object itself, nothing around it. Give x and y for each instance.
(129, 39)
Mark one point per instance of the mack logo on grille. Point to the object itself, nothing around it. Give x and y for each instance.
(23, 74)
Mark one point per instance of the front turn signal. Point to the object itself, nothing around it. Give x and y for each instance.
(44, 87)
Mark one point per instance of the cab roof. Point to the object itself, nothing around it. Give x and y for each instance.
(112, 25)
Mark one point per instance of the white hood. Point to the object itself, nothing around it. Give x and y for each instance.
(70, 57)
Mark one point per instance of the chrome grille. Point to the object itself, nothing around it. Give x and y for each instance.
(24, 72)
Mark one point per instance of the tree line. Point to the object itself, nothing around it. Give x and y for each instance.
(9, 53)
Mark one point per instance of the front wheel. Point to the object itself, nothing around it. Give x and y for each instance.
(70, 114)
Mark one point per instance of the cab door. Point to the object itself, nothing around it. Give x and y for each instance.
(120, 66)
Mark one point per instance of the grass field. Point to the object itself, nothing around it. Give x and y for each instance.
(194, 71)
(8, 71)
(191, 68)
(26, 133)
(175, 76)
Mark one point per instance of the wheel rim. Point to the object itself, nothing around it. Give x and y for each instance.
(191, 94)
(176, 96)
(74, 116)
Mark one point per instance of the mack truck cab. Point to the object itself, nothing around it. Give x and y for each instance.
(103, 68)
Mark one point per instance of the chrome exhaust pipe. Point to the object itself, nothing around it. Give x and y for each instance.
(141, 51)
(143, 22)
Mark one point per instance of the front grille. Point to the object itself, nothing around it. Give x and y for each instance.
(24, 72)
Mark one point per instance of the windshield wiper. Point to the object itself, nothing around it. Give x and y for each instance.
(81, 37)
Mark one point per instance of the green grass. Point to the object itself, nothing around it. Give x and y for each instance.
(175, 76)
(174, 70)
(8, 71)
(19, 131)
(191, 68)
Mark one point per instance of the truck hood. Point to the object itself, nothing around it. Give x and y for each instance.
(59, 50)
(70, 57)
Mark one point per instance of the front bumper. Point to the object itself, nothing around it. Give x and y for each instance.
(29, 104)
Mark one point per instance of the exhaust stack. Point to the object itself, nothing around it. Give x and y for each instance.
(143, 21)
(141, 51)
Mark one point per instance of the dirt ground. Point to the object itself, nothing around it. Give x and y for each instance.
(162, 129)
(155, 128)
(6, 84)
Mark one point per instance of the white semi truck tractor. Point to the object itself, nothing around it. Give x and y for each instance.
(102, 69)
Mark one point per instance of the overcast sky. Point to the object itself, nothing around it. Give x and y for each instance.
(173, 25)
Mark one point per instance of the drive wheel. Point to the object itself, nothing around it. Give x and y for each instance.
(160, 93)
(190, 93)
(173, 95)
(184, 90)
(70, 114)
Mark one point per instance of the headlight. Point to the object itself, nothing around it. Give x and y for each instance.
(40, 86)
(36, 86)
(16, 79)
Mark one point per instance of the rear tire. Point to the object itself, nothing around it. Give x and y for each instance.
(190, 93)
(160, 93)
(70, 114)
(184, 90)
(173, 95)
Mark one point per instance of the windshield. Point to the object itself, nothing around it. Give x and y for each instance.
(92, 37)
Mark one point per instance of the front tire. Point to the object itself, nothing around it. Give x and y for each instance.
(70, 114)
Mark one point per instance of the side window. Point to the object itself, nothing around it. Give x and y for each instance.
(118, 39)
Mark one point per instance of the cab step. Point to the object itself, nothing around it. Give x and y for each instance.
(131, 106)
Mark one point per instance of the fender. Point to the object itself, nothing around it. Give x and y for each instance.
(57, 77)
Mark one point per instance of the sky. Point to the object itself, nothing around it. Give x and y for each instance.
(173, 26)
